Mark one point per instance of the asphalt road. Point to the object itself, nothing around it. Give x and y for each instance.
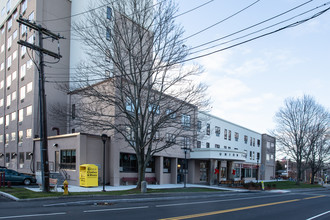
(297, 204)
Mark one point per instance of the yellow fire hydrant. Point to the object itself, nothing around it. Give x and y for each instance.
(66, 187)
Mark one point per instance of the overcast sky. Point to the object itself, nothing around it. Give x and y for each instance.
(249, 83)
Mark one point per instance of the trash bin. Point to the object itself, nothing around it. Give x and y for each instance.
(88, 175)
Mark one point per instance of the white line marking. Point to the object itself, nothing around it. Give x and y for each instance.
(314, 217)
(213, 201)
(32, 215)
(117, 209)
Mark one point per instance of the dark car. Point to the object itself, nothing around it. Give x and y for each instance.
(16, 177)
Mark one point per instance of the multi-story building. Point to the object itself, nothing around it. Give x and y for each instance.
(19, 77)
(268, 151)
(225, 150)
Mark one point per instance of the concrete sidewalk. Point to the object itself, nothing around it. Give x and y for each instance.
(120, 188)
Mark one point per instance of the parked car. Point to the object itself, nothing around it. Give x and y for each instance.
(16, 177)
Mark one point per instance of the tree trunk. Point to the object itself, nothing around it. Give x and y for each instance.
(298, 173)
(141, 174)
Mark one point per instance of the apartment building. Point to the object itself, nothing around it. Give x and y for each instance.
(19, 76)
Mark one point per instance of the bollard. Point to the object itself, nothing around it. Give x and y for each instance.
(143, 186)
(66, 187)
(262, 185)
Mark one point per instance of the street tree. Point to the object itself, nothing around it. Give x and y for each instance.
(298, 129)
(134, 82)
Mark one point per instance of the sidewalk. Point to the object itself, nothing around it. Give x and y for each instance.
(120, 188)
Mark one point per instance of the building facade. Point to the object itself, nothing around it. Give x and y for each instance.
(19, 99)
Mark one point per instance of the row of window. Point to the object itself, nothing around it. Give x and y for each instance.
(12, 136)
(22, 156)
(6, 10)
(227, 134)
(12, 116)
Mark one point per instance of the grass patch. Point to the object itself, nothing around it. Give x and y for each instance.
(23, 193)
(291, 185)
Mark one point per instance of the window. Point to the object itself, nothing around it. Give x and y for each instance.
(22, 96)
(128, 163)
(29, 110)
(236, 136)
(23, 29)
(13, 116)
(129, 105)
(14, 54)
(31, 16)
(68, 159)
(254, 142)
(250, 141)
(258, 156)
(9, 42)
(21, 157)
(7, 157)
(8, 100)
(258, 143)
(14, 34)
(29, 64)
(10, 24)
(3, 11)
(250, 155)
(2, 66)
(1, 120)
(109, 13)
(23, 51)
(229, 135)
(185, 119)
(2, 30)
(20, 115)
(1, 84)
(150, 168)
(29, 87)
(170, 138)
(207, 145)
(199, 144)
(171, 113)
(217, 146)
(186, 142)
(8, 81)
(20, 136)
(15, 14)
(208, 128)
(245, 139)
(167, 165)
(2, 48)
(8, 6)
(7, 138)
(217, 131)
(1, 138)
(154, 108)
(107, 55)
(13, 136)
(28, 133)
(199, 126)
(225, 134)
(28, 156)
(130, 134)
(24, 6)
(108, 34)
(1, 102)
(8, 62)
(13, 96)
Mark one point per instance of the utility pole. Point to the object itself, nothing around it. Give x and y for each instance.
(42, 96)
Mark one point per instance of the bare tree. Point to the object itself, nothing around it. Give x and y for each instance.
(300, 124)
(144, 93)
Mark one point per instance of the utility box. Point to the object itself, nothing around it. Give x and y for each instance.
(88, 175)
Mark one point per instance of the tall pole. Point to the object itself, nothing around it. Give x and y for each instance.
(104, 139)
(43, 121)
(42, 95)
(185, 168)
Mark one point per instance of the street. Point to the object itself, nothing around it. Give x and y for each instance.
(296, 204)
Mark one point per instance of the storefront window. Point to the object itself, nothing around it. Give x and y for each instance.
(167, 165)
(68, 159)
(128, 163)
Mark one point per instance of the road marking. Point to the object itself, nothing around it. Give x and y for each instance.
(237, 209)
(316, 216)
(117, 209)
(33, 215)
(214, 201)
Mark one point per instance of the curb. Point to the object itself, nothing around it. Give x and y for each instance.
(9, 196)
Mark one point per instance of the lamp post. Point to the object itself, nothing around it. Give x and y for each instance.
(257, 167)
(104, 139)
(185, 149)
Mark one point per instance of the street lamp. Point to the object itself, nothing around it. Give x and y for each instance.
(185, 149)
(104, 139)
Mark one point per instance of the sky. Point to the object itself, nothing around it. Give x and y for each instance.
(249, 83)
